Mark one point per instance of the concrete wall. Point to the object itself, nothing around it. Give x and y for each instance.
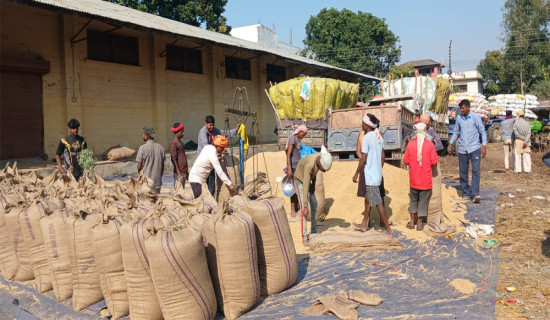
(114, 101)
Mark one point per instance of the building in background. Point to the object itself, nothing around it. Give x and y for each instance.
(425, 67)
(467, 81)
(263, 35)
(117, 69)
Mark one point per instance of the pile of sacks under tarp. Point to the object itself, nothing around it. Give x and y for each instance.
(149, 256)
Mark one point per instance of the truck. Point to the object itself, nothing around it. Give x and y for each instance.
(396, 122)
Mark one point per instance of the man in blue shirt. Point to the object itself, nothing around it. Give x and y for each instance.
(468, 128)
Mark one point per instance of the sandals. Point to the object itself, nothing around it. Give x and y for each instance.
(420, 227)
(410, 226)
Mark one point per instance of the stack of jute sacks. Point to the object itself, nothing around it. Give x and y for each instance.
(149, 256)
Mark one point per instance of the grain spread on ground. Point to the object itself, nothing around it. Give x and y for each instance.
(464, 286)
(343, 207)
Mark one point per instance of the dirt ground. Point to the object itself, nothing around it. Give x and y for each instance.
(523, 229)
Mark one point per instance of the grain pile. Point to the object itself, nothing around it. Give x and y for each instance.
(344, 207)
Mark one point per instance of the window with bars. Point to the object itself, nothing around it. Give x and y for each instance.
(110, 47)
(236, 68)
(183, 59)
(275, 73)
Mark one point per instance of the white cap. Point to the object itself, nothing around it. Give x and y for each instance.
(326, 159)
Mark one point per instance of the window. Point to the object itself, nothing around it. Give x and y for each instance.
(463, 88)
(183, 59)
(236, 68)
(112, 48)
(425, 71)
(275, 73)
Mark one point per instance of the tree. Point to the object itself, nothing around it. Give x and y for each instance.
(527, 42)
(397, 71)
(193, 12)
(355, 41)
(491, 68)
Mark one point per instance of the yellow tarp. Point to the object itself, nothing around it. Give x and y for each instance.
(324, 93)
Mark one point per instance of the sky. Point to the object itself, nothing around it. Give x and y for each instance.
(424, 27)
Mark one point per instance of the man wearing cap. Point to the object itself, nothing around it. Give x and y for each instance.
(150, 158)
(522, 143)
(177, 155)
(468, 128)
(370, 162)
(206, 137)
(70, 147)
(304, 182)
(209, 159)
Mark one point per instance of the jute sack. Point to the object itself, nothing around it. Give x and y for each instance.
(435, 207)
(141, 184)
(121, 154)
(205, 203)
(107, 251)
(277, 261)
(180, 274)
(8, 259)
(230, 165)
(32, 233)
(320, 196)
(142, 297)
(24, 271)
(56, 239)
(233, 261)
(86, 283)
(353, 242)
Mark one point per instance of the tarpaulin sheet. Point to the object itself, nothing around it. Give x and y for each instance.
(414, 282)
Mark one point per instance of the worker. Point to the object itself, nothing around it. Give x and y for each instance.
(178, 156)
(468, 128)
(522, 143)
(304, 183)
(370, 162)
(206, 137)
(506, 132)
(209, 161)
(361, 190)
(293, 149)
(70, 147)
(432, 135)
(420, 156)
(150, 158)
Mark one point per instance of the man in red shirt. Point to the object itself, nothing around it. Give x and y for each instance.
(420, 155)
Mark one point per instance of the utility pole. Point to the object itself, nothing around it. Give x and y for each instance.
(450, 67)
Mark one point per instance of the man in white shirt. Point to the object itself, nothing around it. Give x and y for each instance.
(209, 159)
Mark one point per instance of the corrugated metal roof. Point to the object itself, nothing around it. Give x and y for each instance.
(115, 12)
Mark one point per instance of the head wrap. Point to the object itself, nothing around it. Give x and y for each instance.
(366, 120)
(420, 130)
(520, 113)
(149, 131)
(300, 128)
(178, 128)
(220, 141)
(325, 159)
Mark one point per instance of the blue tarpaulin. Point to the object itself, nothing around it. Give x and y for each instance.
(414, 282)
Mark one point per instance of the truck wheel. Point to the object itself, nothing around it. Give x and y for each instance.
(493, 133)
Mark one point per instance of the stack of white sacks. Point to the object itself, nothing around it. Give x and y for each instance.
(478, 102)
(514, 101)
